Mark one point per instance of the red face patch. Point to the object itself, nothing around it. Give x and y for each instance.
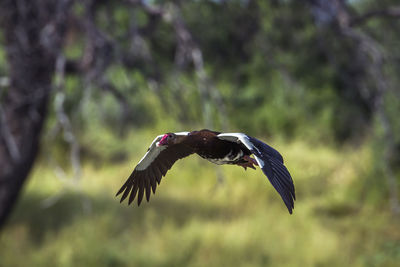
(163, 140)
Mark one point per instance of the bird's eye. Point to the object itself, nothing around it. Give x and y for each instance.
(170, 135)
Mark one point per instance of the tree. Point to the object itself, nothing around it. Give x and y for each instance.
(314, 67)
(33, 31)
(371, 82)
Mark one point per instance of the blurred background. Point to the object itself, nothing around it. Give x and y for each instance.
(85, 86)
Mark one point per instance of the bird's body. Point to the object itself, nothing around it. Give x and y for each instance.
(218, 148)
(208, 146)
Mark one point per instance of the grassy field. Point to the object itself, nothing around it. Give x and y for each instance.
(193, 220)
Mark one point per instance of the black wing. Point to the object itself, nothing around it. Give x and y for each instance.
(146, 179)
(271, 163)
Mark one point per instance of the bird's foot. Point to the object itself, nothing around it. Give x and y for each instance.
(250, 162)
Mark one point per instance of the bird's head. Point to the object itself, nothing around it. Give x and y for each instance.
(167, 139)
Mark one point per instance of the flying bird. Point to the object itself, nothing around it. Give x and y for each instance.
(216, 147)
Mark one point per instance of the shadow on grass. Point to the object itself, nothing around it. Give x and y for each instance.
(70, 207)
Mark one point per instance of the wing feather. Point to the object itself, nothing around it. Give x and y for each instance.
(148, 189)
(270, 162)
(141, 190)
(127, 186)
(158, 174)
(133, 193)
(153, 181)
(151, 168)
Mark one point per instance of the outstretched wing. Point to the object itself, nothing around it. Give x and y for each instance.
(151, 168)
(271, 163)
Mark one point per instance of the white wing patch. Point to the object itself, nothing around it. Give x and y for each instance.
(242, 138)
(153, 152)
(182, 133)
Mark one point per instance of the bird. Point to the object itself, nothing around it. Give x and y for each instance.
(216, 147)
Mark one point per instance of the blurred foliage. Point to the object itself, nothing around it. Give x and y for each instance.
(283, 77)
(269, 59)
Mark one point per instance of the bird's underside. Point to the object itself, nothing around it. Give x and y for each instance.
(218, 148)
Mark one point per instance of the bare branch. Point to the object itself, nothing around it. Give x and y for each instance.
(63, 118)
(8, 138)
(390, 12)
(189, 50)
(4, 82)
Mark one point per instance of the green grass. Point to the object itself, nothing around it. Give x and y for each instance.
(195, 221)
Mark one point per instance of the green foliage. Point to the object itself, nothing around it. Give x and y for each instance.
(279, 72)
(281, 76)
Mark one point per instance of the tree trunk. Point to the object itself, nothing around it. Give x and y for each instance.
(33, 33)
